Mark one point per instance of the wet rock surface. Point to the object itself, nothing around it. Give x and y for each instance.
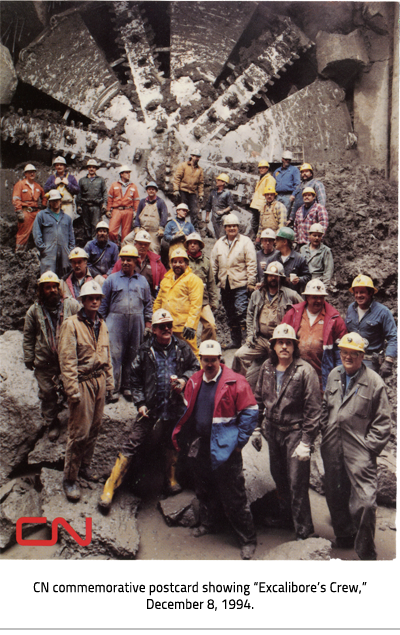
(18, 498)
(310, 549)
(182, 509)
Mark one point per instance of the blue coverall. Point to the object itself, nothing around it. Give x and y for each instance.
(54, 237)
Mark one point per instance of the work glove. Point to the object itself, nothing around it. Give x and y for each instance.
(256, 439)
(147, 332)
(386, 369)
(109, 213)
(160, 232)
(20, 216)
(302, 452)
(57, 180)
(188, 334)
(75, 398)
(29, 365)
(201, 199)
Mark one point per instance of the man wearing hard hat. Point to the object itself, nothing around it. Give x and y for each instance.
(307, 180)
(287, 179)
(41, 337)
(86, 372)
(290, 408)
(73, 282)
(309, 214)
(66, 184)
(102, 252)
(123, 201)
(317, 255)
(92, 199)
(53, 235)
(188, 185)
(273, 214)
(258, 201)
(355, 427)
(220, 202)
(375, 323)
(28, 198)
(152, 216)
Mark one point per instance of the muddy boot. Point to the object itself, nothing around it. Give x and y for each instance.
(247, 551)
(172, 485)
(88, 474)
(54, 429)
(71, 490)
(114, 481)
(236, 334)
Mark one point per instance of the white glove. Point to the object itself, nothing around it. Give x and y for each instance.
(256, 439)
(302, 452)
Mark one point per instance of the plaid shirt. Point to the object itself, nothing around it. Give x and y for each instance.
(319, 190)
(305, 218)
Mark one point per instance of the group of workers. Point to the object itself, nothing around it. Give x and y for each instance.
(113, 320)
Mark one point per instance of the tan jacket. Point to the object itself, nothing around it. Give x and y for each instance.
(189, 179)
(80, 355)
(182, 297)
(258, 200)
(237, 263)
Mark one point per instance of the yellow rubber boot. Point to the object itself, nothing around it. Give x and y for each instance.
(172, 484)
(114, 481)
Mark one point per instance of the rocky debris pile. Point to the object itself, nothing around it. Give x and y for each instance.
(19, 273)
(18, 499)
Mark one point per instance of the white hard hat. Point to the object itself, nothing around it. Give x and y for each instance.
(54, 195)
(93, 163)
(161, 316)
(91, 288)
(59, 160)
(182, 206)
(78, 252)
(284, 332)
(268, 233)
(315, 287)
(210, 347)
(30, 168)
(143, 236)
(287, 155)
(231, 219)
(195, 152)
(275, 268)
(316, 229)
(124, 168)
(195, 236)
(102, 225)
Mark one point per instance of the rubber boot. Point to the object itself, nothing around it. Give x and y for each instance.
(236, 334)
(115, 479)
(173, 486)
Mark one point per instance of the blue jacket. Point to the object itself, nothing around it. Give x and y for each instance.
(105, 265)
(127, 295)
(235, 414)
(55, 239)
(287, 179)
(376, 326)
(161, 208)
(175, 225)
(294, 264)
(72, 187)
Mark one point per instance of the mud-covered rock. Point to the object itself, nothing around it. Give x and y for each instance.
(114, 535)
(310, 549)
(18, 498)
(256, 472)
(182, 509)
(317, 471)
(19, 273)
(21, 422)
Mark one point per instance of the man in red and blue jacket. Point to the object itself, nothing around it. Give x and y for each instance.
(220, 417)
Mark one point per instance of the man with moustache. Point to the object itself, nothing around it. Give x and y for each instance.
(28, 198)
(123, 201)
(127, 309)
(86, 372)
(317, 255)
(181, 293)
(267, 251)
(73, 282)
(42, 326)
(102, 252)
(66, 184)
(307, 180)
(267, 306)
(92, 199)
(148, 264)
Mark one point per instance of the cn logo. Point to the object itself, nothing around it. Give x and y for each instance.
(83, 542)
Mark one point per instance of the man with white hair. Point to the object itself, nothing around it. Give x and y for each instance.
(233, 260)
(28, 198)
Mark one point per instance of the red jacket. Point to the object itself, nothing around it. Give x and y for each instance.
(158, 270)
(116, 198)
(334, 329)
(235, 414)
(24, 197)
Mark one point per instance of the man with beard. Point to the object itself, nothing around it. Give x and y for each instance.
(92, 199)
(309, 214)
(102, 252)
(152, 216)
(72, 283)
(307, 180)
(127, 309)
(181, 293)
(41, 336)
(267, 306)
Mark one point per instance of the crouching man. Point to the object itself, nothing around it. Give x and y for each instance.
(355, 429)
(289, 400)
(162, 367)
(220, 417)
(86, 372)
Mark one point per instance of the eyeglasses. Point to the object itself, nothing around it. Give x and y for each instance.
(165, 327)
(348, 354)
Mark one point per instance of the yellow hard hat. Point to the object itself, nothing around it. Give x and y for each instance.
(363, 281)
(309, 190)
(223, 177)
(179, 253)
(306, 166)
(129, 250)
(49, 276)
(354, 341)
(270, 189)
(263, 164)
(78, 252)
(284, 332)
